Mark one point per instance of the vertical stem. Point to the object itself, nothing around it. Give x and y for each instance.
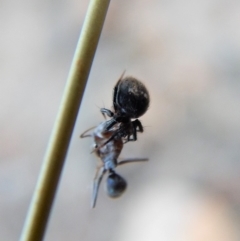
(43, 197)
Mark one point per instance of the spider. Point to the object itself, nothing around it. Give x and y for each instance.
(108, 154)
(130, 101)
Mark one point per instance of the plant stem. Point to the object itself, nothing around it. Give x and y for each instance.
(37, 218)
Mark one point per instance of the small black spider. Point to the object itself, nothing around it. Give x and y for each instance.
(130, 101)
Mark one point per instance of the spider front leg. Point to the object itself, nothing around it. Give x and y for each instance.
(136, 127)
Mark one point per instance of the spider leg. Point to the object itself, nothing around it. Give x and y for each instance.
(133, 135)
(115, 91)
(136, 127)
(97, 180)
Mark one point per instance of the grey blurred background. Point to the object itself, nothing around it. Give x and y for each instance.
(188, 55)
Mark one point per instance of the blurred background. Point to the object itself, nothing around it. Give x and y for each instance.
(188, 55)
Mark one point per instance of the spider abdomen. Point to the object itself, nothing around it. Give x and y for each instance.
(131, 98)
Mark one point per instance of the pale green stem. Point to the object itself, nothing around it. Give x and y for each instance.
(36, 220)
